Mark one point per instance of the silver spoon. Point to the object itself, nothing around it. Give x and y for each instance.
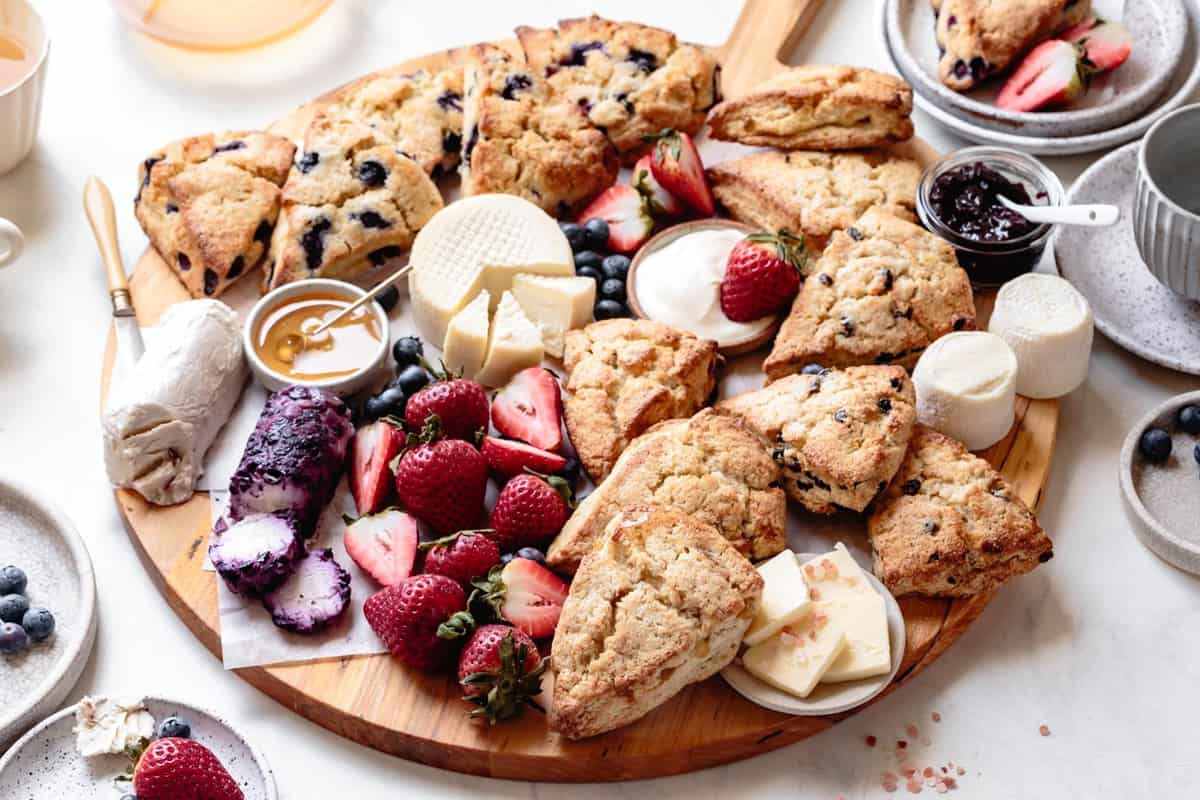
(1095, 216)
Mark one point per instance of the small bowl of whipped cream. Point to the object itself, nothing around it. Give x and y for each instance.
(676, 278)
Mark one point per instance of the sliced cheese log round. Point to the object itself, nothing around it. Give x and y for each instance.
(1048, 324)
(966, 386)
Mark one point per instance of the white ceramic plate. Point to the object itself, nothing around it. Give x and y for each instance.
(1131, 307)
(827, 698)
(40, 539)
(44, 764)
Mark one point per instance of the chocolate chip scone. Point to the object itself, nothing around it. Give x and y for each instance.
(351, 202)
(981, 38)
(838, 436)
(209, 203)
(710, 466)
(820, 108)
(814, 193)
(522, 141)
(663, 602)
(625, 375)
(883, 291)
(949, 525)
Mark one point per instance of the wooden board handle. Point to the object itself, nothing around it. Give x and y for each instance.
(98, 205)
(765, 31)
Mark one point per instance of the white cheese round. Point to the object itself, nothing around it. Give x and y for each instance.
(1048, 324)
(966, 387)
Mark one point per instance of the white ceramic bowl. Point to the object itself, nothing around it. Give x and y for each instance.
(343, 386)
(21, 105)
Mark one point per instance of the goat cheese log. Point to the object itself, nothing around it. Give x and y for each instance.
(161, 419)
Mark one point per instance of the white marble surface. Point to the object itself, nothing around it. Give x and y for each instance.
(1100, 645)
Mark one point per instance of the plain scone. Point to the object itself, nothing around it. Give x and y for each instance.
(662, 603)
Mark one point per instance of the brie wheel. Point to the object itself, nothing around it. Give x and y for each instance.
(966, 386)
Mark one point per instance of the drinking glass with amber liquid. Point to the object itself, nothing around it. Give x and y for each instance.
(219, 24)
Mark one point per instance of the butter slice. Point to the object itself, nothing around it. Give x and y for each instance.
(784, 598)
(514, 344)
(555, 305)
(467, 337)
(840, 589)
(794, 660)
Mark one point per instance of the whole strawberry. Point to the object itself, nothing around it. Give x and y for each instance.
(531, 510)
(419, 619)
(762, 276)
(443, 483)
(462, 556)
(182, 769)
(460, 405)
(500, 671)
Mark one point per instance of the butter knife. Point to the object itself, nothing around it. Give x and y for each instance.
(98, 204)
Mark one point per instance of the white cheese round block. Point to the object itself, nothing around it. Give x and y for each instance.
(1048, 324)
(966, 387)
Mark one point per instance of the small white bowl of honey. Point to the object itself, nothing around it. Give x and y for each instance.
(282, 350)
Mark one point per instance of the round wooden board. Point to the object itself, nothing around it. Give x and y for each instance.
(379, 702)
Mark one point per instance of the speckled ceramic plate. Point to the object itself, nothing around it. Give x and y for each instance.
(827, 698)
(41, 540)
(1131, 307)
(1159, 31)
(44, 764)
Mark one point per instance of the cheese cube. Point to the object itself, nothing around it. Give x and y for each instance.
(794, 660)
(556, 305)
(514, 344)
(784, 597)
(838, 587)
(467, 337)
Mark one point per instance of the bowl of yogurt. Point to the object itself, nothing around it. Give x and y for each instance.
(676, 278)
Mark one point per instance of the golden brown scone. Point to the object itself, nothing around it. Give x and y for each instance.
(814, 193)
(881, 293)
(818, 107)
(838, 436)
(625, 375)
(663, 602)
(710, 466)
(949, 525)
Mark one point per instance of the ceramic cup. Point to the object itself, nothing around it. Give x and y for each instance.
(12, 242)
(1166, 204)
(21, 104)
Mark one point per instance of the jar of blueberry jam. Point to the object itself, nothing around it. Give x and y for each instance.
(958, 199)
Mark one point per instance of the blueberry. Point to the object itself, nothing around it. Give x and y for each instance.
(13, 607)
(383, 255)
(374, 408)
(372, 173)
(313, 242)
(610, 309)
(13, 638)
(174, 728)
(236, 144)
(407, 350)
(595, 234)
(235, 269)
(533, 554)
(210, 281)
(590, 272)
(393, 401)
(1155, 445)
(1189, 419)
(588, 258)
(613, 289)
(507, 557)
(574, 235)
(38, 623)
(615, 266)
(373, 220)
(12, 580)
(1196, 454)
(307, 162)
(450, 101)
(388, 298)
(812, 369)
(262, 234)
(646, 61)
(514, 85)
(570, 470)
(412, 379)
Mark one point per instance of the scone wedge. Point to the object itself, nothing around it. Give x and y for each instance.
(710, 466)
(662, 602)
(950, 526)
(818, 107)
(838, 437)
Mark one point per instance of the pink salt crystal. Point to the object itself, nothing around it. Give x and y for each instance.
(936, 716)
(1044, 730)
(941, 788)
(871, 740)
(913, 786)
(960, 771)
(927, 771)
(912, 731)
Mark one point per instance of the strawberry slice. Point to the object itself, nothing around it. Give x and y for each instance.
(383, 545)
(627, 215)
(526, 594)
(529, 408)
(1106, 45)
(662, 203)
(676, 165)
(1053, 74)
(508, 457)
(372, 451)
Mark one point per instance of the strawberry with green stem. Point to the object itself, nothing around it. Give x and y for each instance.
(500, 671)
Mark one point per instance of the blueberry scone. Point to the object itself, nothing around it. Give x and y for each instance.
(711, 466)
(521, 141)
(631, 80)
(949, 525)
(814, 193)
(819, 108)
(981, 38)
(837, 436)
(209, 203)
(663, 602)
(351, 202)
(882, 291)
(625, 375)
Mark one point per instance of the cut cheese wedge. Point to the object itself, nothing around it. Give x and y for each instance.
(966, 385)
(840, 590)
(466, 342)
(784, 599)
(514, 344)
(794, 659)
(556, 305)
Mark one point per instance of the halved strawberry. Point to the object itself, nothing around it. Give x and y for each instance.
(508, 457)
(676, 165)
(372, 451)
(384, 545)
(526, 594)
(662, 203)
(627, 215)
(1053, 74)
(529, 408)
(1106, 45)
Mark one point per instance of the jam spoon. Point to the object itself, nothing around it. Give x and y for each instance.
(1095, 216)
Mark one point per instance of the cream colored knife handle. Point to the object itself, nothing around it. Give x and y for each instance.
(98, 204)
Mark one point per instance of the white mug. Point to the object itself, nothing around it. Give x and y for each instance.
(21, 105)
(12, 242)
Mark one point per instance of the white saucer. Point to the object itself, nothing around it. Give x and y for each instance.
(827, 698)
(41, 540)
(1131, 307)
(44, 764)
